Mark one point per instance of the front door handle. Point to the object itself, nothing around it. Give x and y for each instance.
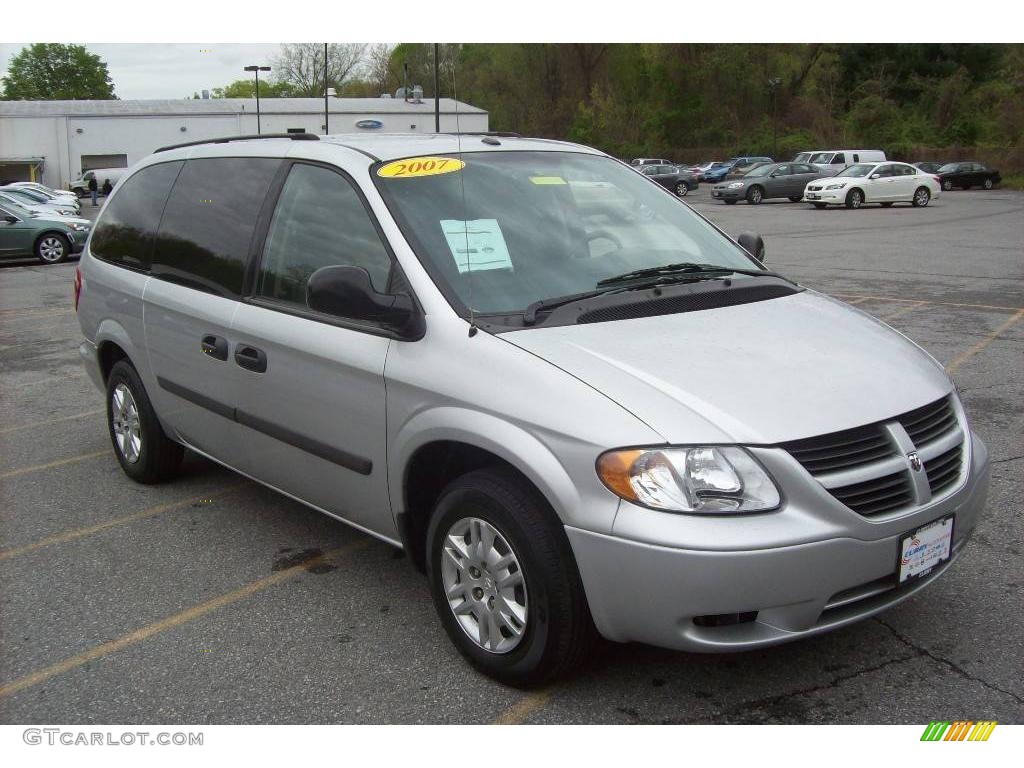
(215, 347)
(250, 358)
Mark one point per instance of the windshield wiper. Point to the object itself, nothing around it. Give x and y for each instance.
(685, 268)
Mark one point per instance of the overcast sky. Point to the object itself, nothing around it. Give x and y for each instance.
(168, 71)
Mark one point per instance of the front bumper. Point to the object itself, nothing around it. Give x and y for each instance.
(644, 592)
(90, 358)
(728, 194)
(77, 240)
(831, 197)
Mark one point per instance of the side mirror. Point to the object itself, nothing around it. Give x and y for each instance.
(876, 175)
(753, 244)
(11, 219)
(345, 291)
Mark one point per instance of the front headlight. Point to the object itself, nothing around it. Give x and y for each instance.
(706, 479)
(79, 227)
(736, 185)
(836, 186)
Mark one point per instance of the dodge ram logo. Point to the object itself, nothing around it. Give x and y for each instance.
(915, 461)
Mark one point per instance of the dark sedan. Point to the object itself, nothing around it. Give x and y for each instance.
(928, 166)
(966, 175)
(767, 181)
(672, 177)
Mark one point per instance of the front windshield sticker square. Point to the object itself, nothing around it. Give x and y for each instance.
(476, 245)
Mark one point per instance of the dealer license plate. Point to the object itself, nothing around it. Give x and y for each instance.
(922, 550)
(812, 196)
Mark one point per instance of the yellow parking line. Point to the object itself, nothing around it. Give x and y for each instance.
(903, 311)
(845, 296)
(525, 707)
(78, 533)
(41, 382)
(12, 313)
(82, 415)
(984, 342)
(50, 465)
(861, 300)
(176, 620)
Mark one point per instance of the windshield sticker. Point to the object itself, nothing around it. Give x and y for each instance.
(413, 167)
(476, 245)
(545, 180)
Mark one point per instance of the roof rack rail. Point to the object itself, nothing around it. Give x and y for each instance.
(499, 134)
(227, 139)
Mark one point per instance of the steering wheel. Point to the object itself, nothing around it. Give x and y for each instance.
(604, 234)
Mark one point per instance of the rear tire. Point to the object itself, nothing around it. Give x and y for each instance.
(755, 195)
(947, 185)
(681, 189)
(988, 184)
(539, 633)
(53, 248)
(922, 196)
(729, 202)
(854, 198)
(795, 198)
(144, 452)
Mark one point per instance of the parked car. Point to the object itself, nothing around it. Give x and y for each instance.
(836, 159)
(742, 169)
(883, 183)
(967, 175)
(41, 197)
(698, 171)
(768, 181)
(21, 197)
(928, 167)
(342, 324)
(640, 161)
(54, 193)
(51, 239)
(80, 186)
(673, 177)
(719, 173)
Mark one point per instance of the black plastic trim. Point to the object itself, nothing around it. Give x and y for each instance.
(249, 137)
(337, 456)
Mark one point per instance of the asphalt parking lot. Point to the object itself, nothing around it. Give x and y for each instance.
(214, 600)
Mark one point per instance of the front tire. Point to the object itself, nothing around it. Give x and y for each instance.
(854, 199)
(988, 184)
(755, 195)
(144, 452)
(729, 202)
(921, 197)
(681, 189)
(504, 580)
(795, 198)
(53, 248)
(947, 185)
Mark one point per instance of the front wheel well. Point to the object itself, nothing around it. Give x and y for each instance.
(432, 467)
(35, 243)
(109, 353)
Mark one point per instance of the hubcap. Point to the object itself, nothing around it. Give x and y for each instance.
(988, 183)
(756, 196)
(124, 416)
(681, 190)
(484, 585)
(855, 199)
(922, 197)
(51, 249)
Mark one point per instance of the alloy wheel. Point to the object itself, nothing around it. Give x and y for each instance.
(124, 416)
(988, 183)
(484, 584)
(921, 197)
(51, 249)
(682, 189)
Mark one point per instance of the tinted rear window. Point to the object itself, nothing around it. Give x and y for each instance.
(124, 234)
(209, 220)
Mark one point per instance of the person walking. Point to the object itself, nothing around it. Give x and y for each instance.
(93, 187)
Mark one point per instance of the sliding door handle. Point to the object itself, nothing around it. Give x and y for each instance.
(250, 358)
(215, 347)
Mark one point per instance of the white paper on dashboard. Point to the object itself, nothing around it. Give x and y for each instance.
(476, 245)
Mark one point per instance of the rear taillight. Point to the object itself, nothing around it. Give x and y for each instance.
(78, 286)
(937, 178)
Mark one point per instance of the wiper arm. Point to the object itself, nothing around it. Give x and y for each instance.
(688, 268)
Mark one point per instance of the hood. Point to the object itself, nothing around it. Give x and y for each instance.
(56, 218)
(759, 373)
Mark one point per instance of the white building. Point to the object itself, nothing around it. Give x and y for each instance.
(55, 141)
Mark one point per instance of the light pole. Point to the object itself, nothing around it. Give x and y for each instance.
(256, 69)
(773, 86)
(327, 123)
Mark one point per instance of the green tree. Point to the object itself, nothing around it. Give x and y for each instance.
(246, 89)
(55, 71)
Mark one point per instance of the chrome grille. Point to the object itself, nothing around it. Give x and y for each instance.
(868, 469)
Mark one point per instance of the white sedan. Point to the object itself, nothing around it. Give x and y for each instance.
(883, 183)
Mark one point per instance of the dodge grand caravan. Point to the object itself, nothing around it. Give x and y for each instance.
(576, 404)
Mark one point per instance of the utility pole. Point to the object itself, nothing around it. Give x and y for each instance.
(437, 91)
(326, 122)
(773, 86)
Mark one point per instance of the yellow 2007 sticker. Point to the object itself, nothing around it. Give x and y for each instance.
(412, 167)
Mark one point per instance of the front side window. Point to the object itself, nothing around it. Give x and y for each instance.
(319, 221)
(949, 168)
(208, 223)
(125, 231)
(764, 170)
(508, 229)
(822, 158)
(839, 159)
(859, 171)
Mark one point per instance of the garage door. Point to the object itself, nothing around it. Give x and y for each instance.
(103, 161)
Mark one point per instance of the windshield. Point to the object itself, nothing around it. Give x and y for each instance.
(803, 157)
(949, 168)
(762, 170)
(823, 157)
(860, 170)
(543, 225)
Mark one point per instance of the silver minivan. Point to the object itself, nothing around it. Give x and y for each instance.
(579, 407)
